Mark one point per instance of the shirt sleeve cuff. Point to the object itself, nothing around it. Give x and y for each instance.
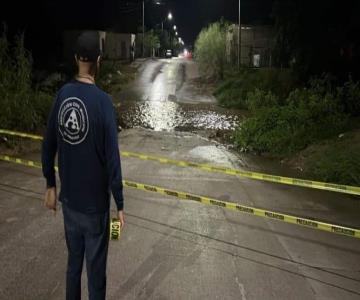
(119, 200)
(50, 182)
(120, 206)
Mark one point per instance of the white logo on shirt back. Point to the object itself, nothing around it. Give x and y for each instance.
(73, 121)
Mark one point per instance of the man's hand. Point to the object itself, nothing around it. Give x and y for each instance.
(50, 198)
(121, 218)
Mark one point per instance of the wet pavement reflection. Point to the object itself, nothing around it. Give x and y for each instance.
(169, 116)
(164, 98)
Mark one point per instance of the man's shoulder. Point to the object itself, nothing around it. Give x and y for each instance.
(94, 89)
(103, 94)
(105, 97)
(67, 85)
(65, 88)
(70, 90)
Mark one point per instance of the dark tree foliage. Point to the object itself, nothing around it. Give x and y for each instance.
(318, 36)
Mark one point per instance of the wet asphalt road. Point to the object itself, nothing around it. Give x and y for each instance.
(166, 96)
(171, 249)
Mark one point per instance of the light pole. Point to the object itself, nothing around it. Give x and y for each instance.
(239, 39)
(143, 32)
(169, 17)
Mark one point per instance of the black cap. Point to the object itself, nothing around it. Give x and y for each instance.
(88, 46)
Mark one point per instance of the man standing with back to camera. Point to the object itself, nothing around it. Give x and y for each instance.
(82, 130)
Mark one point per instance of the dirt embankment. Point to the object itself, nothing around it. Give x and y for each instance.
(335, 160)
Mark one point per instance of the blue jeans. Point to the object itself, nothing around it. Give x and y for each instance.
(86, 234)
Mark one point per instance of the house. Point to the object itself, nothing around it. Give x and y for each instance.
(257, 43)
(114, 46)
(119, 46)
(69, 42)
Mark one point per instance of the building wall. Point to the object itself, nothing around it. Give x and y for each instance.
(69, 43)
(119, 45)
(257, 43)
(113, 45)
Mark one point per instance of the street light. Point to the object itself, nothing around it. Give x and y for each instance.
(175, 27)
(176, 33)
(169, 17)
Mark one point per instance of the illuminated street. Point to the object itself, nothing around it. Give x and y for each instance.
(180, 150)
(163, 98)
(171, 249)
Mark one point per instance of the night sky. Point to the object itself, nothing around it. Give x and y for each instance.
(192, 15)
(44, 20)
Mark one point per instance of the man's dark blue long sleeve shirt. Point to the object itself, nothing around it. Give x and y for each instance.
(82, 130)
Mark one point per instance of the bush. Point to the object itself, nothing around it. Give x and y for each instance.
(272, 130)
(259, 99)
(22, 107)
(210, 47)
(321, 113)
(307, 116)
(113, 76)
(350, 95)
(337, 161)
(233, 92)
(230, 95)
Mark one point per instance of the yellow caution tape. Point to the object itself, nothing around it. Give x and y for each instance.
(19, 161)
(310, 223)
(346, 189)
(115, 229)
(21, 134)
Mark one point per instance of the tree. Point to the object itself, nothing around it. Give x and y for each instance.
(319, 36)
(151, 42)
(165, 40)
(210, 48)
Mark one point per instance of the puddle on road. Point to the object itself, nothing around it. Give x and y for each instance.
(172, 116)
(213, 154)
(152, 102)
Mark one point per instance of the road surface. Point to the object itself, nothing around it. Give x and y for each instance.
(174, 249)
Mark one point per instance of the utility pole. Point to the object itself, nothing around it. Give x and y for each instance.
(143, 33)
(239, 39)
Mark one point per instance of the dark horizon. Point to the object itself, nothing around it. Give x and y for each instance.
(44, 21)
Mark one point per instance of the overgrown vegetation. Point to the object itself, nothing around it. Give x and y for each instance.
(151, 42)
(285, 120)
(333, 160)
(233, 92)
(313, 37)
(113, 76)
(294, 106)
(210, 47)
(23, 106)
(284, 126)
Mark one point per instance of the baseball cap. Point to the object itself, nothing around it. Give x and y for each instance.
(88, 46)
